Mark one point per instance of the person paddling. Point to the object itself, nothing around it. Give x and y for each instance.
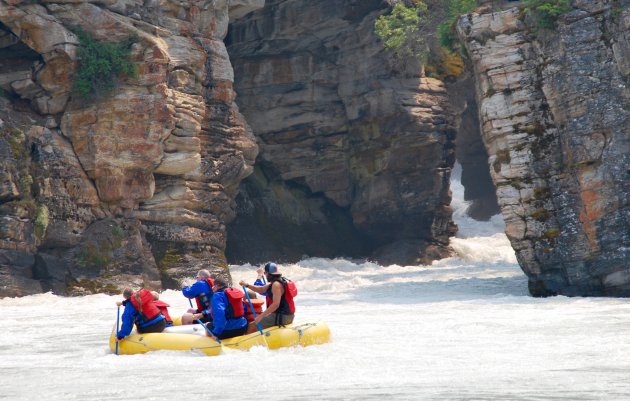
(280, 293)
(201, 291)
(227, 311)
(141, 311)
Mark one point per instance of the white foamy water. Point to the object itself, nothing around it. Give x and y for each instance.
(464, 328)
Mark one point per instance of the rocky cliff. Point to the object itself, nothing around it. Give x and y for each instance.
(349, 154)
(355, 149)
(553, 106)
(133, 186)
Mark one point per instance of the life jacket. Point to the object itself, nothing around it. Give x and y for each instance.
(203, 300)
(258, 304)
(235, 308)
(287, 306)
(163, 307)
(145, 305)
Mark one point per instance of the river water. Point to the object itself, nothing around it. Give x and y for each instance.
(463, 328)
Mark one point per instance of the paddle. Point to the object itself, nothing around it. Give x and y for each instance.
(252, 307)
(117, 326)
(207, 329)
(209, 332)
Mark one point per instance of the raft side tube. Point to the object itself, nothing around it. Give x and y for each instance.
(303, 334)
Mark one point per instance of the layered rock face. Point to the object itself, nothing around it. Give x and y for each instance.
(132, 187)
(554, 116)
(470, 151)
(355, 150)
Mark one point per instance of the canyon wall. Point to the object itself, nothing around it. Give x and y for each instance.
(132, 186)
(338, 149)
(553, 108)
(356, 147)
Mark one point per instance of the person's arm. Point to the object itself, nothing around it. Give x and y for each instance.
(276, 291)
(191, 291)
(128, 317)
(260, 289)
(218, 313)
(207, 313)
(260, 280)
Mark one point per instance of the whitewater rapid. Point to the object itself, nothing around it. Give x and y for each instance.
(463, 328)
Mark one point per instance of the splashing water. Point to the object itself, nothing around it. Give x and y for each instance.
(463, 328)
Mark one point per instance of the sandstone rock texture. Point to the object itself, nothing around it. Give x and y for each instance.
(355, 150)
(132, 187)
(554, 114)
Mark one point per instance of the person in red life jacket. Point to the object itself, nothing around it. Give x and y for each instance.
(256, 303)
(227, 311)
(201, 291)
(280, 293)
(141, 311)
(163, 307)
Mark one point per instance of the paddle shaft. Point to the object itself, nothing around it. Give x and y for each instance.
(252, 307)
(117, 326)
(208, 330)
(204, 326)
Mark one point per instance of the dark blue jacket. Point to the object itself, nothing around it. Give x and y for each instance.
(198, 288)
(219, 314)
(131, 316)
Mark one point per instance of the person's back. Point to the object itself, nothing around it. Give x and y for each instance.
(141, 311)
(163, 307)
(227, 311)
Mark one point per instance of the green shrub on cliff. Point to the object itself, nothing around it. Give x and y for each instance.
(446, 30)
(101, 63)
(545, 13)
(410, 31)
(400, 30)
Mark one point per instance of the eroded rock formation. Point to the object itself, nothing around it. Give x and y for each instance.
(555, 121)
(130, 187)
(355, 150)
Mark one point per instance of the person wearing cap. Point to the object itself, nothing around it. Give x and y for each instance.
(201, 291)
(280, 292)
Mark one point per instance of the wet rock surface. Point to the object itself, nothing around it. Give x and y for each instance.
(554, 117)
(355, 151)
(128, 187)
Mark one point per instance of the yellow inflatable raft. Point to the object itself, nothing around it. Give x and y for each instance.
(193, 338)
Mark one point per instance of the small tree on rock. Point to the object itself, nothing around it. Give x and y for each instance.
(400, 30)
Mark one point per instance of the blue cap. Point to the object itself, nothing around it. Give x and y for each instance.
(272, 268)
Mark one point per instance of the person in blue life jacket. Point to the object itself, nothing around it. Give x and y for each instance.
(279, 295)
(227, 311)
(201, 291)
(260, 280)
(141, 311)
